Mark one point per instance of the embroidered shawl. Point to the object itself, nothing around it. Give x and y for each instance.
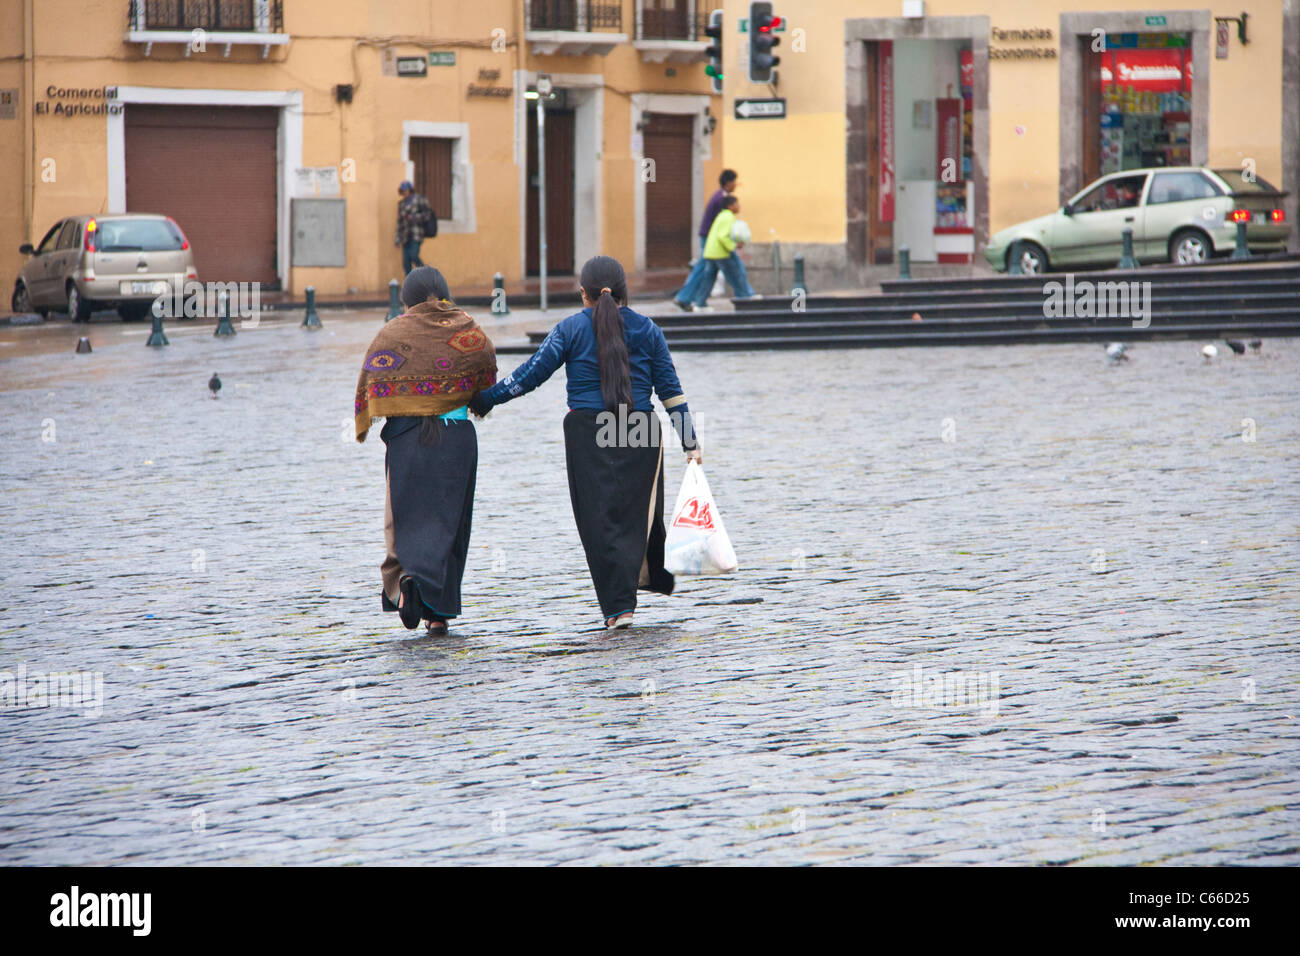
(429, 361)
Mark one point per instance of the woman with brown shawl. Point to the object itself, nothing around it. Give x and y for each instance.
(419, 373)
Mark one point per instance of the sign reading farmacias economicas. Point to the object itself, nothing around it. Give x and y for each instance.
(76, 101)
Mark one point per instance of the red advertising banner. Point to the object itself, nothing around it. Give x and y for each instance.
(885, 86)
(947, 160)
(1156, 71)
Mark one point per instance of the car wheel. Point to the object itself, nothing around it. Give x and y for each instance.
(1033, 260)
(1190, 247)
(22, 299)
(78, 305)
(133, 311)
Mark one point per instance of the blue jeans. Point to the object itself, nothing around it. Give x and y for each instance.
(411, 255)
(733, 270)
(691, 289)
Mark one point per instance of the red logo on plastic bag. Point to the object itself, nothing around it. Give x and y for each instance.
(695, 515)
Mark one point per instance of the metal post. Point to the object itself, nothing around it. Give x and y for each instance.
(543, 89)
(157, 337)
(83, 345)
(1243, 248)
(224, 327)
(798, 276)
(1014, 268)
(499, 285)
(394, 302)
(1126, 260)
(776, 262)
(904, 262)
(311, 320)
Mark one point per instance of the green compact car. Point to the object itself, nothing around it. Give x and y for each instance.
(1183, 214)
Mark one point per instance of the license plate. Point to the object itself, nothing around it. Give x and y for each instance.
(144, 288)
(1259, 217)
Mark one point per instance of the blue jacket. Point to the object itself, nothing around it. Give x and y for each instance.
(572, 343)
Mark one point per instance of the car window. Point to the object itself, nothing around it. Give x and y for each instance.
(1120, 193)
(138, 235)
(1177, 187)
(1238, 183)
(47, 244)
(70, 235)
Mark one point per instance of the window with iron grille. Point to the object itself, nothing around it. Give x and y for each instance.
(231, 16)
(431, 156)
(580, 15)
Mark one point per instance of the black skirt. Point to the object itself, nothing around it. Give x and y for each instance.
(618, 504)
(431, 494)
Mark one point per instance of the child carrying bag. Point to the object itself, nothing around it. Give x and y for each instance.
(697, 543)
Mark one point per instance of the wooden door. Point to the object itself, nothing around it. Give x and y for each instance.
(668, 140)
(559, 194)
(880, 233)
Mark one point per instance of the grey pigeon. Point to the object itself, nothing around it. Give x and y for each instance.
(1255, 345)
(1238, 348)
(1115, 353)
(214, 385)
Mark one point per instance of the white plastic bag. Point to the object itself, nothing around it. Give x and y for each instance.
(697, 542)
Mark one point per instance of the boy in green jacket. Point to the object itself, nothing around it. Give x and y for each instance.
(720, 254)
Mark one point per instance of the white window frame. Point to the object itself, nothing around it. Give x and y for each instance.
(463, 218)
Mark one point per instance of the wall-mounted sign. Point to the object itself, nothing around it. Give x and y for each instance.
(8, 104)
(487, 85)
(78, 101)
(1221, 39)
(442, 58)
(312, 182)
(1156, 21)
(760, 109)
(412, 66)
(388, 62)
(1029, 34)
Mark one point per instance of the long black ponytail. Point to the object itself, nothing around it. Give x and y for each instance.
(605, 284)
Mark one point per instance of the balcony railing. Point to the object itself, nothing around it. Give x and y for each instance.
(659, 21)
(575, 15)
(217, 16)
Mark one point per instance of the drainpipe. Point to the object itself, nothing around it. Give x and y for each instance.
(29, 119)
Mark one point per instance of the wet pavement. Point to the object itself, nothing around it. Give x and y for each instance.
(995, 605)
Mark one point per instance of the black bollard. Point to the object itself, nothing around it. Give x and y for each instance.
(1242, 252)
(904, 262)
(499, 304)
(83, 345)
(224, 328)
(157, 337)
(799, 285)
(394, 303)
(1014, 267)
(1126, 260)
(311, 320)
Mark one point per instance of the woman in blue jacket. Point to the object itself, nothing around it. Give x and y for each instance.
(614, 358)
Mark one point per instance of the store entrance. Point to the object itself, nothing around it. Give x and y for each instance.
(1137, 102)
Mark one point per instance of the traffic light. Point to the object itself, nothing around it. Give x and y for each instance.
(762, 37)
(714, 31)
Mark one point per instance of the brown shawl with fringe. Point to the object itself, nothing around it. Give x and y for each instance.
(429, 361)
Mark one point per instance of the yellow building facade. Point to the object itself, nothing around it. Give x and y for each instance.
(276, 132)
(1036, 95)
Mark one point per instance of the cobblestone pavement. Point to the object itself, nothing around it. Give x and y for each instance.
(1096, 551)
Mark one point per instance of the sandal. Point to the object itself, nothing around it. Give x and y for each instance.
(619, 622)
(436, 626)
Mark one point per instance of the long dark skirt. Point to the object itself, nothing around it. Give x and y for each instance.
(618, 504)
(430, 508)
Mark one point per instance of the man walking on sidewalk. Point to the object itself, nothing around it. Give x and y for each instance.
(416, 221)
(727, 185)
(720, 254)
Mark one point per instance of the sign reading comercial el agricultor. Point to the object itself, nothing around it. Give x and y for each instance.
(78, 101)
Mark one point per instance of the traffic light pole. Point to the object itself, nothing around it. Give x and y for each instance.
(541, 181)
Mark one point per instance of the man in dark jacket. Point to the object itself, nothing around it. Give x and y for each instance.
(727, 183)
(413, 214)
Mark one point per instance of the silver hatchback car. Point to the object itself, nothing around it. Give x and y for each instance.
(113, 261)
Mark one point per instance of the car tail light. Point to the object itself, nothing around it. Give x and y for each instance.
(1278, 215)
(91, 228)
(185, 243)
(1241, 215)
(191, 273)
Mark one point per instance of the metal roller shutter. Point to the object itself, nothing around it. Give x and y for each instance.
(213, 170)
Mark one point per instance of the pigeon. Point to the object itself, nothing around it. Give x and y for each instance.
(1238, 348)
(1209, 352)
(1255, 345)
(214, 385)
(1115, 353)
